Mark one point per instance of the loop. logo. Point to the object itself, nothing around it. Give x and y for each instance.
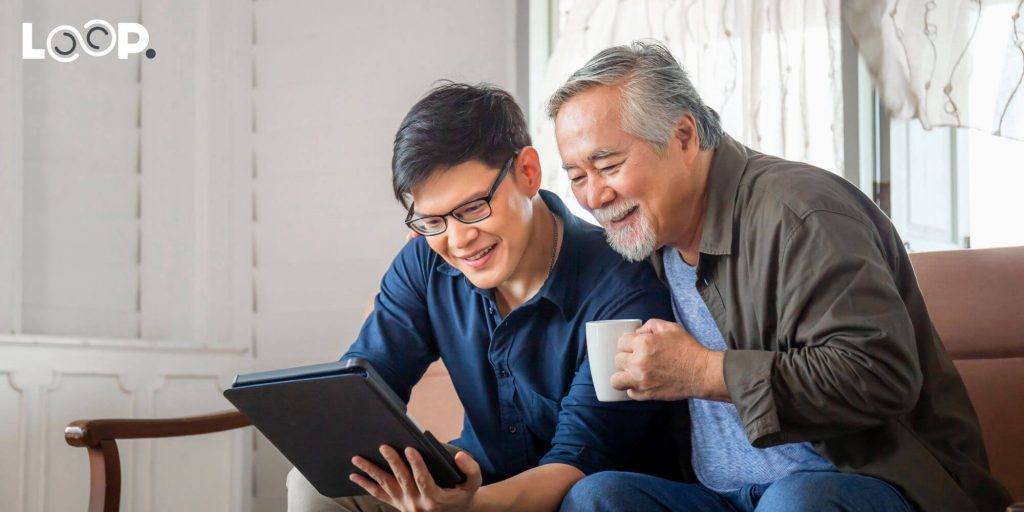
(74, 39)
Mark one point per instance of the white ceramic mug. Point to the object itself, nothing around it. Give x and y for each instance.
(602, 345)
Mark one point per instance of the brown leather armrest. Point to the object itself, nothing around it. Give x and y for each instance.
(92, 432)
(1016, 507)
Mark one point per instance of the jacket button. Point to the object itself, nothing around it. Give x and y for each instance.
(512, 429)
(503, 373)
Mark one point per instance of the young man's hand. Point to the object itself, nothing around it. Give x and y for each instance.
(411, 488)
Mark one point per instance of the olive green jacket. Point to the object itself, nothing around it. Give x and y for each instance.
(829, 338)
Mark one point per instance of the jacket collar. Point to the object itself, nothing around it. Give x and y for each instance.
(727, 167)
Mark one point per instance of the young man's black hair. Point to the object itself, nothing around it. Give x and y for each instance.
(455, 123)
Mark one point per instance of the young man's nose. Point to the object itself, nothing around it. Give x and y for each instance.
(461, 235)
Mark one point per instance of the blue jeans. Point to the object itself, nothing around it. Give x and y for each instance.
(818, 491)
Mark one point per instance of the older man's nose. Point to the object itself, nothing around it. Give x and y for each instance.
(598, 195)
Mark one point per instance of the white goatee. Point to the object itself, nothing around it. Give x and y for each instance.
(634, 242)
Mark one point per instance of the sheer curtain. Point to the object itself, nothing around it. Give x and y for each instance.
(770, 68)
(945, 63)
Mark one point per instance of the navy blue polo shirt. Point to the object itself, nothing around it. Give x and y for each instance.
(523, 380)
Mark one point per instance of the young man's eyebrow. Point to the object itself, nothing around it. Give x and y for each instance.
(465, 199)
(592, 157)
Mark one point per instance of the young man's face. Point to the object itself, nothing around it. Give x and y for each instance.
(632, 189)
(486, 252)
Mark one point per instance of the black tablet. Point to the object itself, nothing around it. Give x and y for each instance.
(321, 416)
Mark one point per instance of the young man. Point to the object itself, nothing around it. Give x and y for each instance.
(499, 286)
(814, 376)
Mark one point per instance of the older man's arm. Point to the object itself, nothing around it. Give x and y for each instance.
(849, 359)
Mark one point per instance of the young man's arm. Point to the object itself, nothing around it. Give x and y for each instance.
(396, 336)
(541, 488)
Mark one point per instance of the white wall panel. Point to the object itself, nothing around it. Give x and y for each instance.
(325, 239)
(325, 335)
(62, 379)
(60, 284)
(84, 240)
(63, 321)
(87, 195)
(12, 443)
(80, 146)
(300, 198)
(51, 13)
(196, 200)
(315, 149)
(83, 116)
(169, 121)
(193, 472)
(10, 168)
(295, 287)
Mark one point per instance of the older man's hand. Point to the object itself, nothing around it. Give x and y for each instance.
(661, 361)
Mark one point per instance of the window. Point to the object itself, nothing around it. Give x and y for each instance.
(944, 188)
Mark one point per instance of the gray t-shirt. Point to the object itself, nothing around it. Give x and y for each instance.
(723, 459)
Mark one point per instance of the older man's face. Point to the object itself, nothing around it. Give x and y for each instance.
(633, 190)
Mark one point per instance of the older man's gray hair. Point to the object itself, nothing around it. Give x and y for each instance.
(656, 92)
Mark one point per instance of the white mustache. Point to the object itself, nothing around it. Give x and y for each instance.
(605, 214)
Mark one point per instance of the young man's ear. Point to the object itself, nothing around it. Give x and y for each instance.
(527, 168)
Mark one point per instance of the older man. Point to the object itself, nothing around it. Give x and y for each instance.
(814, 376)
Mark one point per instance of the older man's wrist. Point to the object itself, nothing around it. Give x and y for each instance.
(714, 387)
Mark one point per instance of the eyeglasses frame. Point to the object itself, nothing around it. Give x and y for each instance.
(505, 169)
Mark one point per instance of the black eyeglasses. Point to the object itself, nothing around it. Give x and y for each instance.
(469, 212)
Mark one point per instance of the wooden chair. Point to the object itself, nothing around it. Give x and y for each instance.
(433, 404)
(100, 437)
(975, 299)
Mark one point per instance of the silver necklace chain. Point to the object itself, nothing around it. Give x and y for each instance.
(554, 247)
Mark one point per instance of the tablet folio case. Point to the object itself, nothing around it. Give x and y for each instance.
(321, 416)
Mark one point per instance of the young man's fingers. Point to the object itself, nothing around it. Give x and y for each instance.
(371, 488)
(401, 472)
(382, 478)
(471, 469)
(420, 474)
